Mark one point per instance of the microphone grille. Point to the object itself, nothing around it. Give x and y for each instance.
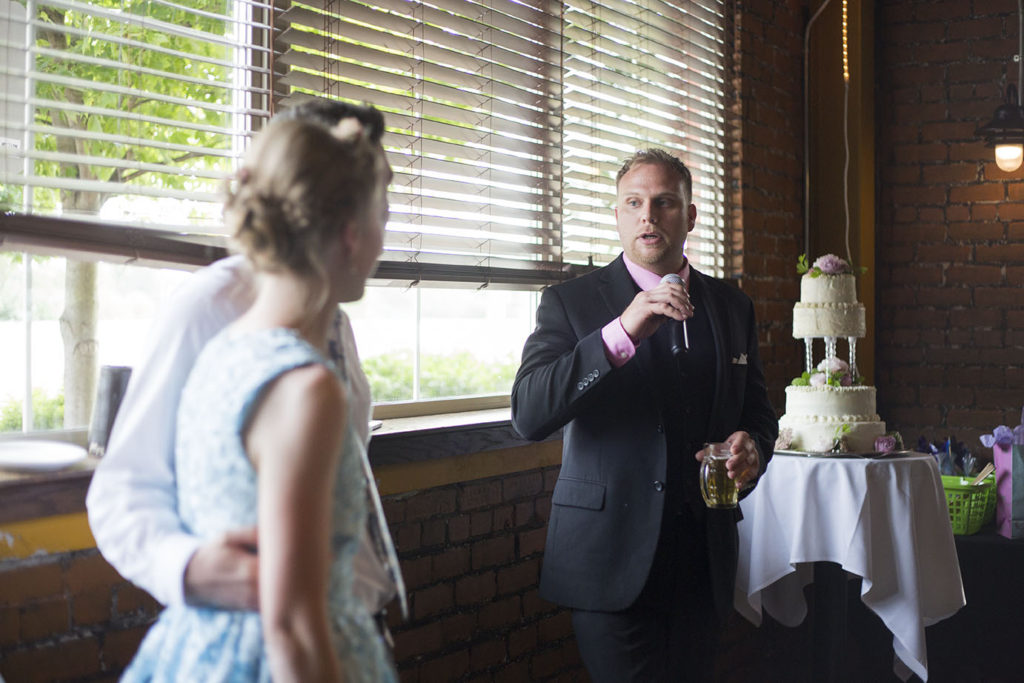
(672, 278)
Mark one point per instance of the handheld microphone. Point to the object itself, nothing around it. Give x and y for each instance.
(678, 337)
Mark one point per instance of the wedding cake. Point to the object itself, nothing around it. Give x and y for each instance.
(828, 408)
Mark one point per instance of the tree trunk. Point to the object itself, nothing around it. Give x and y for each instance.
(78, 325)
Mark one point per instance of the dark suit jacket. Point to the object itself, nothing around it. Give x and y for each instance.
(607, 504)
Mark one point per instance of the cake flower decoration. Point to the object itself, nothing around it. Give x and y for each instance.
(828, 264)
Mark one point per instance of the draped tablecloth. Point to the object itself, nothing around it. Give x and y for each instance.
(885, 521)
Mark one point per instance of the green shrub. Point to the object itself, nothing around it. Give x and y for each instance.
(47, 412)
(441, 376)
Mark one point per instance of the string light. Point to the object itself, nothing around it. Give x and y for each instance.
(846, 56)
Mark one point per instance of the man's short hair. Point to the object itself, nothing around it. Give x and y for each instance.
(662, 157)
(330, 112)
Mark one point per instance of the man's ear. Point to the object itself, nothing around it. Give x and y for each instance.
(691, 217)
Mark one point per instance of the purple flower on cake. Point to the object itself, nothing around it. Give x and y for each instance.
(818, 379)
(846, 380)
(830, 264)
(885, 444)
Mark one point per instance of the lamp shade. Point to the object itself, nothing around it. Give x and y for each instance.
(1005, 132)
(1009, 157)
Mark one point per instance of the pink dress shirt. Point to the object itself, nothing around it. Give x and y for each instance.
(618, 347)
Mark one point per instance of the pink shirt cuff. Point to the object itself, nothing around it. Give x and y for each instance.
(618, 347)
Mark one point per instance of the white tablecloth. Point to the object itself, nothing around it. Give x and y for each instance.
(884, 520)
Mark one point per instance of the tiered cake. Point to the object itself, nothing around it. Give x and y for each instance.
(827, 408)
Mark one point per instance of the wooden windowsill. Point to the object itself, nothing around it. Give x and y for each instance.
(398, 441)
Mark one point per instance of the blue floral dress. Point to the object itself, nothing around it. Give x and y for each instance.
(217, 491)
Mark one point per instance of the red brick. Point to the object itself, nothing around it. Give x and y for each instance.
(459, 628)
(522, 485)
(129, 599)
(451, 667)
(493, 552)
(119, 646)
(950, 173)
(988, 192)
(417, 571)
(407, 537)
(433, 533)
(534, 605)
(501, 614)
(458, 528)
(427, 602)
(513, 672)
(963, 232)
(504, 518)
(44, 618)
(474, 496)
(942, 253)
(90, 571)
(486, 655)
(1003, 253)
(10, 626)
(430, 504)
(1011, 211)
(481, 523)
(522, 640)
(531, 542)
(475, 589)
(516, 577)
(451, 563)
(29, 581)
(70, 660)
(555, 627)
(89, 609)
(394, 509)
(417, 641)
(974, 275)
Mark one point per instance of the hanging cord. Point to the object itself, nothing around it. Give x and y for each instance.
(807, 135)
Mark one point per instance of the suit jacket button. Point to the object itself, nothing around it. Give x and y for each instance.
(661, 429)
(580, 385)
(658, 486)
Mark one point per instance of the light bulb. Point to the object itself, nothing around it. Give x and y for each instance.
(1009, 157)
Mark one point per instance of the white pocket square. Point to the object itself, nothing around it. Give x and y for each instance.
(740, 360)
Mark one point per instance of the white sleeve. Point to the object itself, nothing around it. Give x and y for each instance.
(132, 500)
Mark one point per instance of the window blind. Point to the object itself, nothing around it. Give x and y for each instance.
(129, 112)
(509, 119)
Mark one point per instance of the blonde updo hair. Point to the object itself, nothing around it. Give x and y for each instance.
(300, 186)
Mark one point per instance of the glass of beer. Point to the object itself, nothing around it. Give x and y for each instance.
(718, 490)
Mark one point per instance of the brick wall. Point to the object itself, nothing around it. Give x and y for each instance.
(769, 176)
(950, 223)
(68, 617)
(470, 554)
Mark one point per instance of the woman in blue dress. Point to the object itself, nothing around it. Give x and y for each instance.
(264, 432)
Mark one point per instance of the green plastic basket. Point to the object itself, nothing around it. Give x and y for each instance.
(970, 507)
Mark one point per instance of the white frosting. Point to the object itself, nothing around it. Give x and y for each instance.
(813, 414)
(828, 320)
(846, 403)
(828, 289)
(819, 436)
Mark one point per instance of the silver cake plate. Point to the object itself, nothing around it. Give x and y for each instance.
(869, 455)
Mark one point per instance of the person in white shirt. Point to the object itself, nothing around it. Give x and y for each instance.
(131, 502)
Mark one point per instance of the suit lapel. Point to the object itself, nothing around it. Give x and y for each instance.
(618, 290)
(719, 328)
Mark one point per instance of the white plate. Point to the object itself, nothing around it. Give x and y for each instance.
(39, 456)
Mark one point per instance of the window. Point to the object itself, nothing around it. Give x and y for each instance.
(507, 122)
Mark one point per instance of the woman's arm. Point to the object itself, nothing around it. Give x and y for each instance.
(294, 440)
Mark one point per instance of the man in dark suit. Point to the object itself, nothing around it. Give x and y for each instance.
(646, 567)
